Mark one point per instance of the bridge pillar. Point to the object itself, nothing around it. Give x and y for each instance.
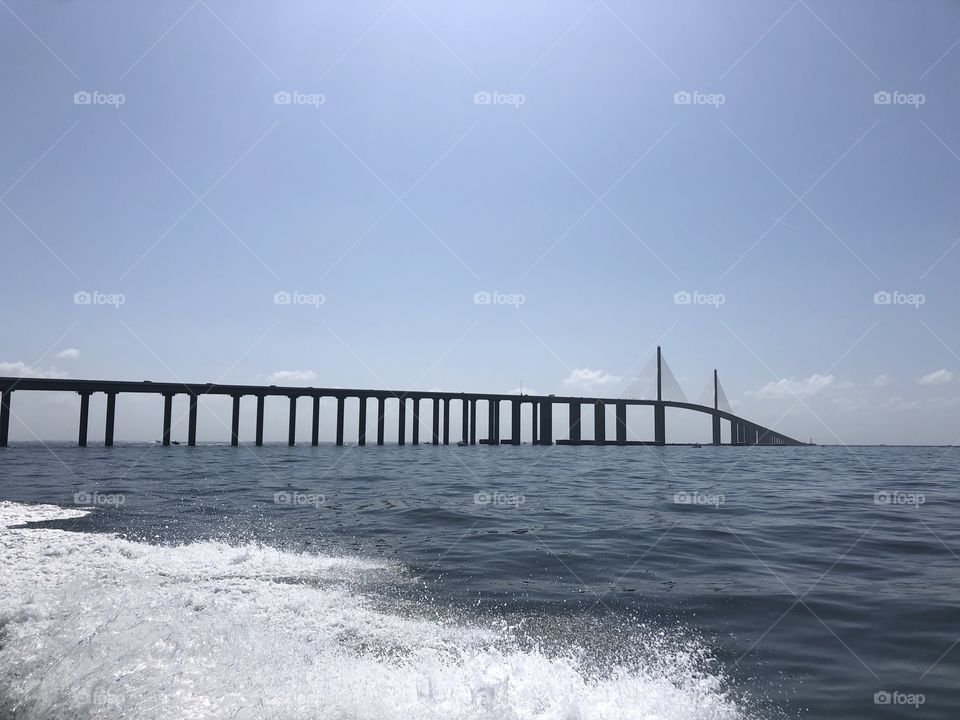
(340, 403)
(492, 411)
(446, 421)
(111, 415)
(235, 422)
(84, 418)
(402, 422)
(315, 422)
(546, 423)
(621, 423)
(599, 423)
(292, 424)
(5, 417)
(660, 424)
(716, 428)
(574, 421)
(416, 421)
(381, 412)
(473, 422)
(167, 413)
(464, 420)
(534, 435)
(362, 421)
(259, 438)
(515, 422)
(435, 422)
(192, 420)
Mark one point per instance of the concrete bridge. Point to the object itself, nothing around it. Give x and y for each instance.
(742, 431)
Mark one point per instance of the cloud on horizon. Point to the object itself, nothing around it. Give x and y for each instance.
(69, 354)
(292, 375)
(585, 377)
(937, 377)
(21, 369)
(787, 388)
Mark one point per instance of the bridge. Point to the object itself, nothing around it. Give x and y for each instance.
(741, 430)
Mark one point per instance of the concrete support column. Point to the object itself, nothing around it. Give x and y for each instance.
(84, 418)
(340, 401)
(435, 422)
(381, 413)
(464, 420)
(111, 415)
(734, 432)
(192, 421)
(473, 422)
(446, 421)
(402, 422)
(660, 424)
(167, 413)
(235, 422)
(260, 401)
(5, 417)
(492, 410)
(515, 422)
(574, 421)
(416, 421)
(362, 422)
(496, 421)
(599, 423)
(716, 428)
(621, 423)
(546, 423)
(292, 424)
(315, 425)
(534, 434)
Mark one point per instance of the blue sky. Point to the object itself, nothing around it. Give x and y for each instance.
(782, 198)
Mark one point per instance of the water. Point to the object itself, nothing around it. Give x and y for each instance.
(510, 582)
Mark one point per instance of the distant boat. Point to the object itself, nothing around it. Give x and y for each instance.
(462, 444)
(696, 445)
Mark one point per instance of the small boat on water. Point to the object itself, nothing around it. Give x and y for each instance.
(462, 444)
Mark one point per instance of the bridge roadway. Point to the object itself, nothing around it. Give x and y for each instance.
(742, 431)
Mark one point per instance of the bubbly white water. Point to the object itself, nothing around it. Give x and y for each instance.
(94, 626)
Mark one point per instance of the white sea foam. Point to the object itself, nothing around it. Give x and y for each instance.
(93, 626)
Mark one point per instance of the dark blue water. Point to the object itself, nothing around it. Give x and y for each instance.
(756, 582)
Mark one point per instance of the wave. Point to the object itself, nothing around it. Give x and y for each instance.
(96, 626)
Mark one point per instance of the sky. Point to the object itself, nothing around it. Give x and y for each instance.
(484, 196)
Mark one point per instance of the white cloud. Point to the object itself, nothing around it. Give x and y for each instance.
(21, 369)
(937, 377)
(293, 375)
(786, 388)
(69, 354)
(881, 381)
(585, 377)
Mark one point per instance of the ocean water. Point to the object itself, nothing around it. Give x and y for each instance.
(510, 582)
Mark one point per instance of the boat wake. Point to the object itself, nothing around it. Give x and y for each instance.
(95, 626)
